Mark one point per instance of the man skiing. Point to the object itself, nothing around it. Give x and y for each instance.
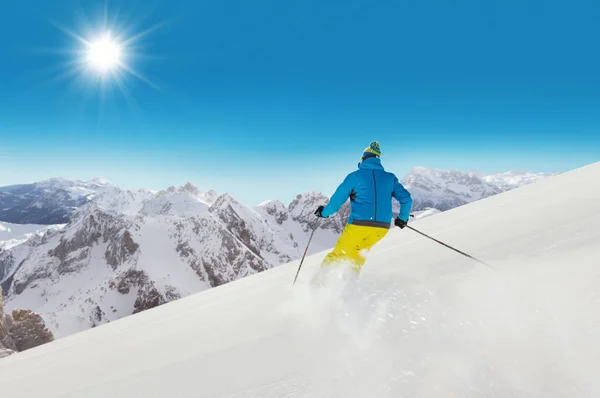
(370, 190)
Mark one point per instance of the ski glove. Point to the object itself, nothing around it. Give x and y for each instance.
(319, 212)
(400, 223)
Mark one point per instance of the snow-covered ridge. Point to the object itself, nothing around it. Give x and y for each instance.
(14, 234)
(56, 200)
(51, 201)
(512, 179)
(447, 189)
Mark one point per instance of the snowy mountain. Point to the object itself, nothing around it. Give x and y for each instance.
(125, 251)
(424, 321)
(446, 189)
(512, 179)
(55, 201)
(14, 234)
(51, 201)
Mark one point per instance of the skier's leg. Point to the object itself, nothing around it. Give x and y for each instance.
(342, 248)
(341, 255)
(354, 244)
(370, 237)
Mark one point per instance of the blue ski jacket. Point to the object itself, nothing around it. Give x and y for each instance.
(370, 190)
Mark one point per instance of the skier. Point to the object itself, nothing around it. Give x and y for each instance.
(370, 190)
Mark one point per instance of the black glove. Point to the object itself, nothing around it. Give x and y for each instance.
(400, 223)
(319, 212)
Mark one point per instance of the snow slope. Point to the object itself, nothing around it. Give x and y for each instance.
(424, 321)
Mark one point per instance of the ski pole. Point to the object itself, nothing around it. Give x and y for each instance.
(306, 250)
(450, 247)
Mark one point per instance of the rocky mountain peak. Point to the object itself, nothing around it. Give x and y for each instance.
(276, 209)
(191, 188)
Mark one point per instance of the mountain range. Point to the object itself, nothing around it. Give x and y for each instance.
(119, 252)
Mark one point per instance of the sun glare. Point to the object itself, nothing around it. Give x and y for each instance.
(104, 54)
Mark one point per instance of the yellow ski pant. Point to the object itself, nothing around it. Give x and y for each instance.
(354, 244)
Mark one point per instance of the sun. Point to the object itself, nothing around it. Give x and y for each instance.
(104, 54)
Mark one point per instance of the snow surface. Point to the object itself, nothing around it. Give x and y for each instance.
(424, 321)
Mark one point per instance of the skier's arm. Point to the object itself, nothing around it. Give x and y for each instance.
(340, 196)
(402, 196)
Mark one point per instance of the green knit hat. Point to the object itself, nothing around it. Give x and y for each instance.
(372, 149)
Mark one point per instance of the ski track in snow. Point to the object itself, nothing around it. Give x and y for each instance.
(423, 321)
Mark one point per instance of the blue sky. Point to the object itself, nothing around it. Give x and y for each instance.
(267, 99)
